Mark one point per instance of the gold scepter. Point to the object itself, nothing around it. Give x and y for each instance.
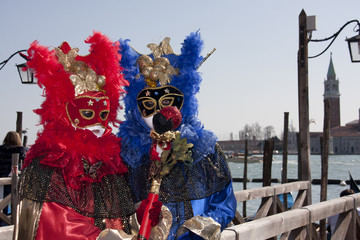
(175, 150)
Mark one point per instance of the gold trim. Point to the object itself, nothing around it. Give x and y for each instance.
(92, 97)
(155, 88)
(107, 111)
(155, 186)
(148, 99)
(166, 98)
(90, 110)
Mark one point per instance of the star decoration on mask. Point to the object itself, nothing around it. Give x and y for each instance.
(167, 90)
(147, 93)
(105, 103)
(90, 103)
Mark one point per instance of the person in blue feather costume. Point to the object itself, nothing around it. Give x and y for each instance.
(201, 192)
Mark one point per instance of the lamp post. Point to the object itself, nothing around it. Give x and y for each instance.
(27, 77)
(303, 98)
(304, 134)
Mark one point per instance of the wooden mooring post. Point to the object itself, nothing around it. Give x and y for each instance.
(268, 155)
(303, 91)
(245, 174)
(304, 172)
(285, 155)
(324, 144)
(19, 117)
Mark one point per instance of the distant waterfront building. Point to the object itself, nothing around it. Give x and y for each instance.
(343, 139)
(292, 143)
(238, 146)
(331, 92)
(347, 138)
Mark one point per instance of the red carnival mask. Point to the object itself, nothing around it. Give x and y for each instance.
(89, 110)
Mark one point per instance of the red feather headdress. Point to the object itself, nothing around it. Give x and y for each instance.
(58, 89)
(60, 144)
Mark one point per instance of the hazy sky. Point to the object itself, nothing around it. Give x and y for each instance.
(251, 77)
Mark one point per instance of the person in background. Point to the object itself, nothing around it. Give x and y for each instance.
(333, 219)
(198, 189)
(11, 144)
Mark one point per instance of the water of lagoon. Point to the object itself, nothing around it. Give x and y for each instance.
(339, 166)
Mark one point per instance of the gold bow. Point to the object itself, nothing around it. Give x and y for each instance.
(164, 137)
(164, 48)
(83, 78)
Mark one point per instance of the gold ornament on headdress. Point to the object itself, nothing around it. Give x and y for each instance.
(164, 48)
(160, 68)
(84, 78)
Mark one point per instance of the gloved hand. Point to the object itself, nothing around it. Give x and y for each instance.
(154, 212)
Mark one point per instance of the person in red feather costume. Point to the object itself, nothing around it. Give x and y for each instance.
(73, 184)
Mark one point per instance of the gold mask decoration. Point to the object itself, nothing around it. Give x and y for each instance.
(158, 69)
(84, 78)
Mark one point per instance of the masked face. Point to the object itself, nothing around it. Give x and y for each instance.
(89, 112)
(152, 100)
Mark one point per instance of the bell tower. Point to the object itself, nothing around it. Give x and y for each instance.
(331, 92)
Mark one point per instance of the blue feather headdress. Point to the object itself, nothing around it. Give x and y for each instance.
(134, 131)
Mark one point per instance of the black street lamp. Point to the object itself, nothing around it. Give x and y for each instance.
(354, 48)
(26, 74)
(353, 42)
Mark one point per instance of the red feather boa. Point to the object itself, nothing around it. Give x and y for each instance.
(66, 147)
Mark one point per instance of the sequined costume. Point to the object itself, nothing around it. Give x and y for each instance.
(74, 182)
(201, 192)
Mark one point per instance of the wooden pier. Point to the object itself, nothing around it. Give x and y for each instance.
(272, 220)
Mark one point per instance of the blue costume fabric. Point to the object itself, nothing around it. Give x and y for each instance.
(205, 187)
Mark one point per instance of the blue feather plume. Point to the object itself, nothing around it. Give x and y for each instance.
(134, 132)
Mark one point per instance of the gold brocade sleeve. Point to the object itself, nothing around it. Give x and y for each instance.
(159, 232)
(206, 227)
(29, 216)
